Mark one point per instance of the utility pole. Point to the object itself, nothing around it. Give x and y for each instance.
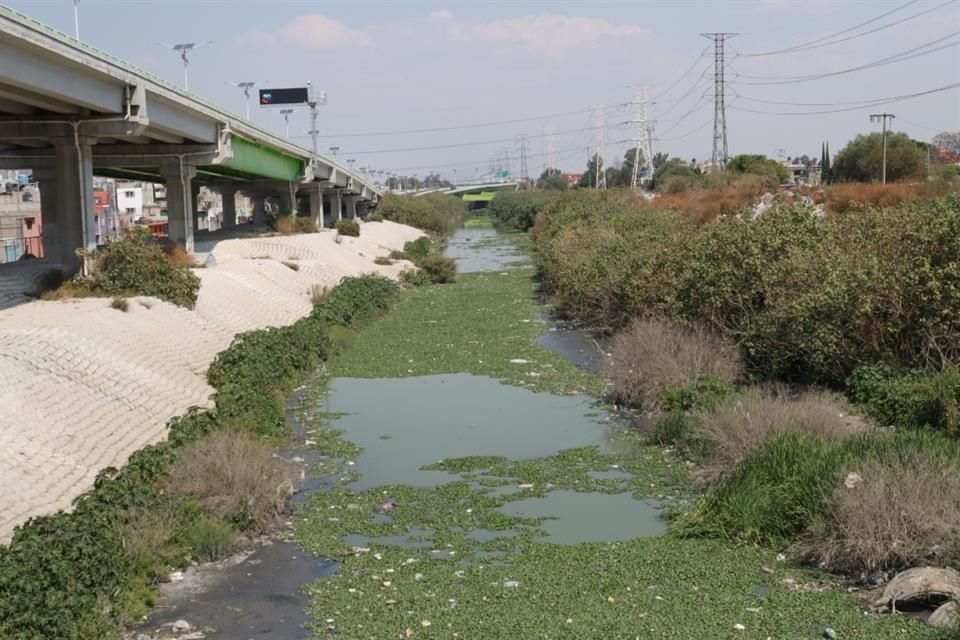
(76, 18)
(719, 159)
(600, 179)
(316, 100)
(551, 147)
(883, 117)
(642, 150)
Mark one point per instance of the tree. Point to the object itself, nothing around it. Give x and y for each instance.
(674, 170)
(759, 165)
(552, 179)
(589, 177)
(947, 145)
(660, 159)
(625, 178)
(862, 159)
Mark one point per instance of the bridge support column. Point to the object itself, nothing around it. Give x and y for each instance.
(180, 218)
(259, 209)
(351, 207)
(229, 207)
(336, 203)
(287, 199)
(316, 204)
(66, 201)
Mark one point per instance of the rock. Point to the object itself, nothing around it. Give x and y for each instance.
(947, 616)
(920, 585)
(853, 479)
(739, 627)
(181, 626)
(829, 633)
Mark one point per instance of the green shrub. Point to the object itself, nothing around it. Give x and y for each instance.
(704, 394)
(134, 265)
(356, 300)
(436, 212)
(376, 216)
(909, 398)
(348, 228)
(120, 304)
(415, 277)
(518, 209)
(416, 250)
(210, 539)
(440, 269)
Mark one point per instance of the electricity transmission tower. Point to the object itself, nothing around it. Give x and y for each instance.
(523, 158)
(883, 117)
(719, 158)
(643, 148)
(600, 179)
(551, 147)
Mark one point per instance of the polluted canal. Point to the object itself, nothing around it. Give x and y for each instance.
(464, 483)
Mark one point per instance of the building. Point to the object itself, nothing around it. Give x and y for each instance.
(21, 226)
(130, 199)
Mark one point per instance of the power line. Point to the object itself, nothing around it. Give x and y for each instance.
(854, 108)
(897, 57)
(476, 125)
(823, 42)
(696, 62)
(922, 126)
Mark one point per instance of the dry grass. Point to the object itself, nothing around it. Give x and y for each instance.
(654, 355)
(150, 542)
(704, 204)
(844, 197)
(738, 427)
(288, 225)
(233, 476)
(178, 256)
(902, 513)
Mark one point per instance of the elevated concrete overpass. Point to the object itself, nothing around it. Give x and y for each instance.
(69, 111)
(481, 194)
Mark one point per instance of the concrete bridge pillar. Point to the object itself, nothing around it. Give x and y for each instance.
(66, 202)
(180, 218)
(351, 202)
(336, 204)
(229, 206)
(315, 195)
(259, 209)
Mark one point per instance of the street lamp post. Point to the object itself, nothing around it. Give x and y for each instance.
(286, 121)
(184, 49)
(334, 150)
(246, 86)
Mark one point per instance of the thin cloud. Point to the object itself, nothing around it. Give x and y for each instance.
(313, 32)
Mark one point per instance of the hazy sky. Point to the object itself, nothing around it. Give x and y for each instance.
(396, 66)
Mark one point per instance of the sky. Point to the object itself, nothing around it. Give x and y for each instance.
(483, 74)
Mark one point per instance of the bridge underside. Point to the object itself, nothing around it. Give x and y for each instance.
(69, 112)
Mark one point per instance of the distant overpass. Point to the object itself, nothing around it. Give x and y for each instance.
(69, 111)
(479, 193)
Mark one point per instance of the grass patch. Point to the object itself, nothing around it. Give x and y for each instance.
(291, 224)
(120, 304)
(382, 261)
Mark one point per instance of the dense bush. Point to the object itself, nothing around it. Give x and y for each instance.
(348, 228)
(439, 269)
(806, 299)
(517, 209)
(436, 212)
(909, 399)
(77, 576)
(603, 262)
(292, 223)
(133, 265)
